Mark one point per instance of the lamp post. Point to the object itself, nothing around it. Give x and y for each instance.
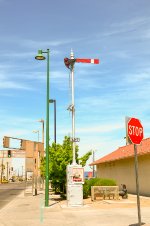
(36, 158)
(54, 101)
(42, 121)
(41, 57)
(36, 131)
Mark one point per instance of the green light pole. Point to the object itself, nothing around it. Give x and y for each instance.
(41, 57)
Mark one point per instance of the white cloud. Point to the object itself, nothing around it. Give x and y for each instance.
(87, 84)
(9, 82)
(132, 24)
(91, 129)
(104, 128)
(137, 77)
(92, 102)
(18, 127)
(57, 75)
(101, 147)
(13, 85)
(14, 132)
(146, 34)
(29, 54)
(51, 43)
(122, 54)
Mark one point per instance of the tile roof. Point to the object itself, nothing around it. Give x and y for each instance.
(125, 152)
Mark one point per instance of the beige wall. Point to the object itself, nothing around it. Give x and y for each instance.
(123, 171)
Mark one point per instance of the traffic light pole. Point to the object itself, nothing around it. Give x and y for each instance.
(7, 170)
(2, 169)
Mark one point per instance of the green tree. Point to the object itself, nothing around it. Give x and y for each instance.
(42, 167)
(59, 157)
(84, 158)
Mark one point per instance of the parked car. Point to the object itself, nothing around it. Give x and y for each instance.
(12, 179)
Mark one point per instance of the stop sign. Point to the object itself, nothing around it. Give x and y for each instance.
(135, 131)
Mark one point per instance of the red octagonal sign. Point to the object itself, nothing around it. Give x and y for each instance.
(135, 131)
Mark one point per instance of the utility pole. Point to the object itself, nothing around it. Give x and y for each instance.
(7, 170)
(93, 165)
(2, 168)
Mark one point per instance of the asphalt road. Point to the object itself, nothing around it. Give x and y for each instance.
(9, 192)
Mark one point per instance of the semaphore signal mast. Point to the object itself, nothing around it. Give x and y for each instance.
(70, 65)
(75, 172)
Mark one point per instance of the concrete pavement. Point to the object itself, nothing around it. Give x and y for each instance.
(30, 210)
(9, 192)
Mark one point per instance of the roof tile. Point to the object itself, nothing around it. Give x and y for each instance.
(125, 152)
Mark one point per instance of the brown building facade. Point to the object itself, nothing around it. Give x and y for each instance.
(119, 165)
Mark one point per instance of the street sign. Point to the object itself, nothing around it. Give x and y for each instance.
(135, 134)
(135, 131)
(75, 139)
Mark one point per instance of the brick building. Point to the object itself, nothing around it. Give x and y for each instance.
(6, 168)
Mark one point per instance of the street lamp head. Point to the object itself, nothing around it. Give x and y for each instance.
(35, 131)
(51, 101)
(40, 120)
(40, 55)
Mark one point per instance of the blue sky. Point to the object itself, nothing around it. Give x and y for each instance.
(117, 32)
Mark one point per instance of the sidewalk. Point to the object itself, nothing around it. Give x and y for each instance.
(30, 210)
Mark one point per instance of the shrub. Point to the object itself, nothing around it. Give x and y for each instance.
(85, 190)
(91, 182)
(105, 182)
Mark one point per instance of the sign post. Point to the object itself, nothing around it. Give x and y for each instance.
(135, 134)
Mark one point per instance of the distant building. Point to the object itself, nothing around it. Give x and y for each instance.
(119, 165)
(88, 174)
(6, 168)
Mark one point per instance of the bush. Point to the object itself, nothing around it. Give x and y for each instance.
(96, 182)
(105, 182)
(85, 190)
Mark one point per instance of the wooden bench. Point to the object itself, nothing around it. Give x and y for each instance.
(104, 192)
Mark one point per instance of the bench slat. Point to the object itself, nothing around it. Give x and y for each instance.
(104, 191)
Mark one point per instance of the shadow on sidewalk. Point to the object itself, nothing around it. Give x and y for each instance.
(136, 224)
(56, 200)
(54, 203)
